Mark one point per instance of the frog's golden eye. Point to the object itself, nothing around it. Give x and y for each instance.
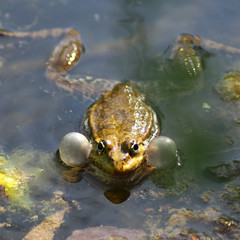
(101, 146)
(133, 147)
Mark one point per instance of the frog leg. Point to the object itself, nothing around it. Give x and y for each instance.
(72, 176)
(219, 46)
(55, 32)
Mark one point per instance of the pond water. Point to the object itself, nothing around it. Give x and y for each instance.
(124, 40)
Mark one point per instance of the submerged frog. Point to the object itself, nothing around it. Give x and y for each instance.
(122, 143)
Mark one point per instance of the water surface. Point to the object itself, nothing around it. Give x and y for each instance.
(124, 40)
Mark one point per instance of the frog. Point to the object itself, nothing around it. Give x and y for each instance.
(119, 141)
(119, 126)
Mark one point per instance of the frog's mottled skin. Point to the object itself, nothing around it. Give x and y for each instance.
(185, 56)
(122, 122)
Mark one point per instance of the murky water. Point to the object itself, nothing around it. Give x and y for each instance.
(124, 40)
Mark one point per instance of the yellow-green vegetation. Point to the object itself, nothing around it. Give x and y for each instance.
(17, 170)
(12, 181)
(21, 173)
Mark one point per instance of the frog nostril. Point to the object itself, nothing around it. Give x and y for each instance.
(116, 156)
(125, 157)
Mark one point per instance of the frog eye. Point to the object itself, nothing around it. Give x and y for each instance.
(101, 146)
(133, 147)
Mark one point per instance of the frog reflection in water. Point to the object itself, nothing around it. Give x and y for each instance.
(122, 143)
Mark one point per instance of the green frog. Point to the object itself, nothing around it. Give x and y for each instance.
(121, 126)
(121, 144)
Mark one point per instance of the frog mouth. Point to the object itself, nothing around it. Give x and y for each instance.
(115, 177)
(117, 168)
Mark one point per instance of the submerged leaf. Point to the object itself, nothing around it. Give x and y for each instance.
(108, 232)
(45, 230)
(225, 171)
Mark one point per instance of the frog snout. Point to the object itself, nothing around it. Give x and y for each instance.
(117, 156)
